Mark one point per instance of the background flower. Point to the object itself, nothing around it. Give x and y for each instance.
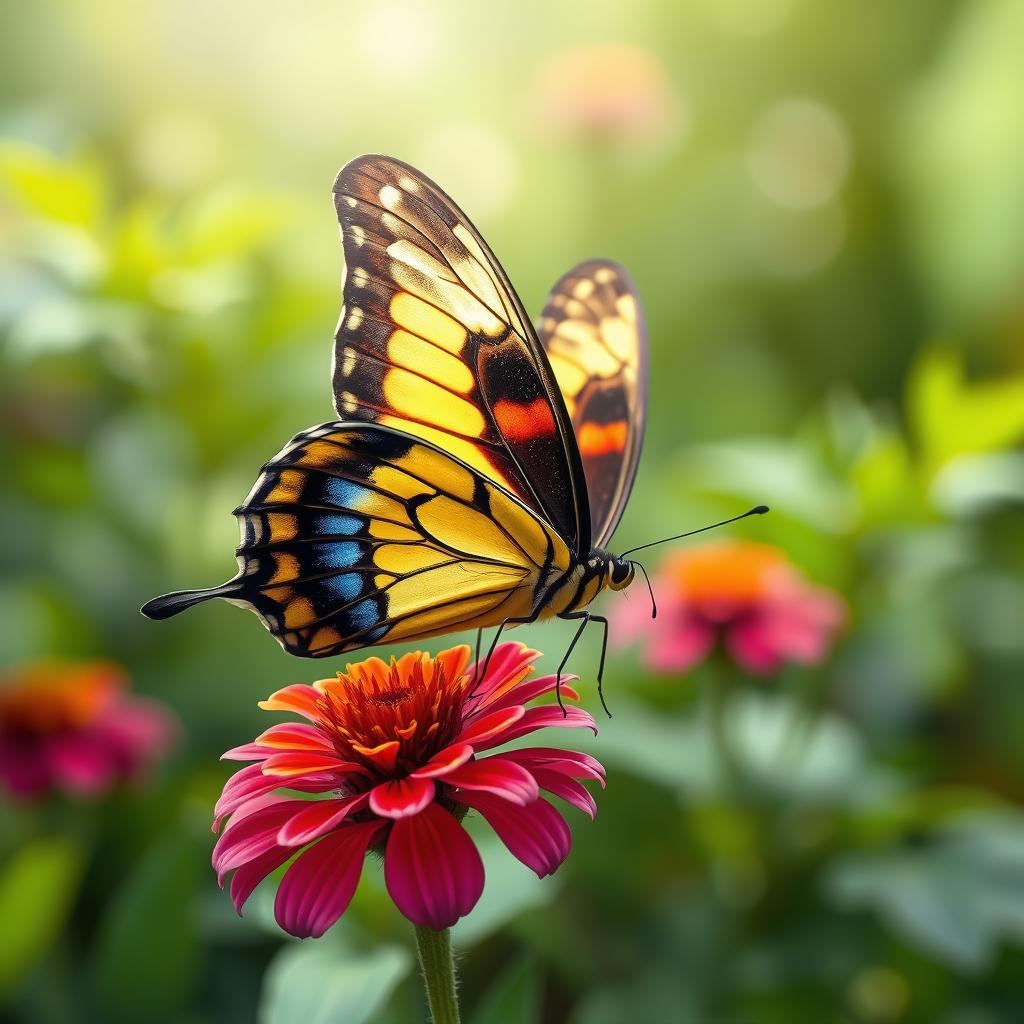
(611, 93)
(71, 726)
(396, 753)
(746, 594)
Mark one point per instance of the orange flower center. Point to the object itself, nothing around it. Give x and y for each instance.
(394, 717)
(732, 573)
(50, 697)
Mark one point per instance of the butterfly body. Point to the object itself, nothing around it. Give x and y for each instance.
(477, 469)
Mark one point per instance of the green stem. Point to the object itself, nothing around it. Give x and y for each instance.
(438, 967)
(729, 766)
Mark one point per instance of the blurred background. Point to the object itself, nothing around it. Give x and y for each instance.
(823, 206)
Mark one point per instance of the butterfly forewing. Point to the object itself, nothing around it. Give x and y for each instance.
(356, 534)
(433, 340)
(592, 329)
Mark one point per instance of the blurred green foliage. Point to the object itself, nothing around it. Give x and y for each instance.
(822, 204)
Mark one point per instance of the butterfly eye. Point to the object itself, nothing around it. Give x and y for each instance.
(621, 574)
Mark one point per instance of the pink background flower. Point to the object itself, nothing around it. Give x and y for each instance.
(71, 726)
(747, 595)
(392, 756)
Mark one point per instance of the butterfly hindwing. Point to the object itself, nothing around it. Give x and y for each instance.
(592, 329)
(433, 340)
(356, 534)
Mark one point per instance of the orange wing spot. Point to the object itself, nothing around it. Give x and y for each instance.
(602, 439)
(520, 422)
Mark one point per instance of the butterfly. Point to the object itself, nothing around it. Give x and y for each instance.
(478, 467)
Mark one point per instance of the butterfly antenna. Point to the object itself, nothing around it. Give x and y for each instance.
(757, 511)
(650, 589)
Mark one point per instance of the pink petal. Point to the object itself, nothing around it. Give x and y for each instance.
(509, 665)
(253, 804)
(496, 775)
(298, 698)
(507, 661)
(678, 644)
(307, 762)
(141, 729)
(530, 689)
(81, 763)
(750, 644)
(542, 718)
(250, 874)
(317, 889)
(401, 798)
(536, 834)
(573, 763)
(480, 730)
(250, 781)
(569, 790)
(294, 736)
(247, 752)
(318, 817)
(253, 835)
(442, 763)
(631, 620)
(432, 869)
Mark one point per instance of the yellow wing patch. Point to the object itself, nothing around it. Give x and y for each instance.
(356, 535)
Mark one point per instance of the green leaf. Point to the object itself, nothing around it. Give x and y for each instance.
(952, 417)
(514, 998)
(955, 897)
(148, 950)
(37, 886)
(65, 191)
(322, 982)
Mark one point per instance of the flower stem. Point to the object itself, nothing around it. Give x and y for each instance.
(438, 967)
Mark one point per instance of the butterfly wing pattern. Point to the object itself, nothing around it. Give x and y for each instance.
(452, 494)
(433, 340)
(593, 332)
(357, 534)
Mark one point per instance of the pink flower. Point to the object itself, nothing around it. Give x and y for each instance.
(391, 757)
(610, 93)
(747, 595)
(71, 726)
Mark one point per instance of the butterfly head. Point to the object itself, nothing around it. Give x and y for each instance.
(620, 572)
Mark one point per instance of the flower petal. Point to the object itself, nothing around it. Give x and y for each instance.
(250, 874)
(294, 736)
(571, 791)
(508, 667)
(573, 763)
(432, 869)
(384, 755)
(298, 698)
(317, 889)
(304, 762)
(250, 781)
(496, 775)
(247, 752)
(401, 798)
(318, 817)
(529, 689)
(490, 728)
(252, 835)
(535, 834)
(541, 718)
(444, 761)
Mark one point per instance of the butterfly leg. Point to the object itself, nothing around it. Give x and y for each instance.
(585, 617)
(600, 665)
(525, 620)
